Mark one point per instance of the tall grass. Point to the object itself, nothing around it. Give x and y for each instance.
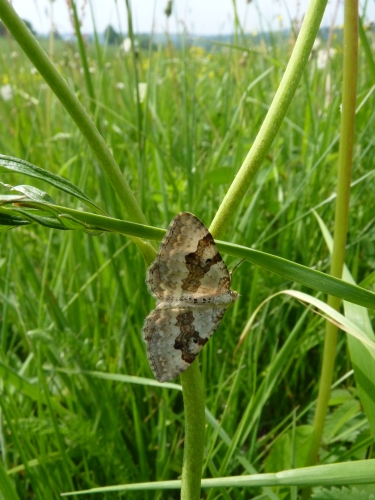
(73, 305)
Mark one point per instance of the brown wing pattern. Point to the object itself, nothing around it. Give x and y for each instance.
(188, 262)
(175, 337)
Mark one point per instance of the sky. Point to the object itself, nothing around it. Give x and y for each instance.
(198, 17)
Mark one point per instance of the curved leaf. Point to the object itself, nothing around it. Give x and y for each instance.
(26, 168)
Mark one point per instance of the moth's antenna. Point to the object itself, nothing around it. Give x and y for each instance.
(235, 267)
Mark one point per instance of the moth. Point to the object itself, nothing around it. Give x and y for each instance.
(191, 285)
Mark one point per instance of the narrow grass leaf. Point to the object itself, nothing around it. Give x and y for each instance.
(301, 274)
(6, 486)
(26, 168)
(31, 192)
(341, 321)
(20, 383)
(289, 270)
(359, 472)
(128, 379)
(8, 220)
(363, 362)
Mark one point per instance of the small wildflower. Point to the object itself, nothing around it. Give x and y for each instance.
(126, 45)
(317, 43)
(324, 56)
(196, 51)
(142, 90)
(6, 92)
(145, 64)
(120, 85)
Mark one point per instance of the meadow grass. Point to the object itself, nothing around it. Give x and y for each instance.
(73, 305)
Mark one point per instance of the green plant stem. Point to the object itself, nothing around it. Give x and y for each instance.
(195, 422)
(274, 118)
(68, 99)
(192, 385)
(140, 137)
(61, 89)
(349, 89)
(82, 53)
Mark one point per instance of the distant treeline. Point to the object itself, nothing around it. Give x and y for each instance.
(145, 40)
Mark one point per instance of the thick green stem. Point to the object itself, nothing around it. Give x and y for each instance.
(68, 99)
(195, 422)
(274, 118)
(341, 213)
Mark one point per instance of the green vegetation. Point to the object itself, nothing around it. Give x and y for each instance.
(79, 406)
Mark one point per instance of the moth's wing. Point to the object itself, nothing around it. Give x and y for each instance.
(175, 336)
(187, 263)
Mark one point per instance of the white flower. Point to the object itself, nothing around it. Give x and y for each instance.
(324, 56)
(120, 85)
(6, 92)
(126, 45)
(142, 90)
(317, 43)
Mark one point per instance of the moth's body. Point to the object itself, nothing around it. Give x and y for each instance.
(191, 285)
(201, 302)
